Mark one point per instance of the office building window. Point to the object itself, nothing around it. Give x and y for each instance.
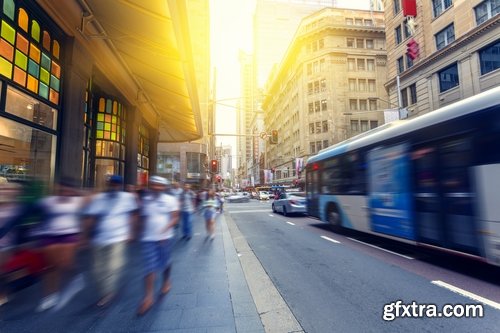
(486, 10)
(371, 85)
(400, 65)
(362, 85)
(312, 147)
(373, 124)
(407, 31)
(318, 146)
(310, 88)
(352, 84)
(309, 69)
(489, 58)
(362, 105)
(370, 65)
(354, 126)
(316, 87)
(369, 43)
(369, 23)
(364, 125)
(361, 64)
(349, 21)
(318, 127)
(409, 62)
(350, 42)
(445, 37)
(353, 104)
(358, 21)
(373, 105)
(440, 6)
(325, 126)
(325, 143)
(311, 128)
(316, 106)
(311, 108)
(323, 105)
(351, 64)
(323, 85)
(360, 43)
(397, 35)
(448, 78)
(396, 6)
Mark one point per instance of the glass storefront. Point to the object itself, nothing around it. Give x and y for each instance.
(143, 156)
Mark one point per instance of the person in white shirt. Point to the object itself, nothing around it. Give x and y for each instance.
(109, 225)
(160, 214)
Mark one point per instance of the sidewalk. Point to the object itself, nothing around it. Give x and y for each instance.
(209, 294)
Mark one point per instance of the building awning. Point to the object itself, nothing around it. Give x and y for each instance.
(144, 49)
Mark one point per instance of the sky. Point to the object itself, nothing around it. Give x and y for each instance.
(231, 31)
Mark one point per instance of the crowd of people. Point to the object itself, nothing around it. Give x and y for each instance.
(41, 236)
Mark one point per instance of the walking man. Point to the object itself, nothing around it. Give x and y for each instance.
(188, 203)
(160, 214)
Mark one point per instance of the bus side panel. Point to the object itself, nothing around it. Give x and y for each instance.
(390, 197)
(488, 183)
(355, 212)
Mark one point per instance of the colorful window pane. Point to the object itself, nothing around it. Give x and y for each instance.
(107, 136)
(107, 127)
(35, 31)
(45, 61)
(44, 76)
(46, 41)
(107, 118)
(8, 32)
(54, 96)
(99, 134)
(9, 8)
(22, 43)
(102, 103)
(19, 76)
(32, 84)
(100, 117)
(115, 107)
(5, 68)
(56, 70)
(108, 106)
(114, 120)
(43, 90)
(100, 126)
(33, 68)
(54, 83)
(35, 53)
(21, 60)
(55, 49)
(6, 50)
(22, 20)
(113, 136)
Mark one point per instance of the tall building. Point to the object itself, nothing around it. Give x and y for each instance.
(456, 46)
(329, 86)
(244, 117)
(188, 161)
(275, 22)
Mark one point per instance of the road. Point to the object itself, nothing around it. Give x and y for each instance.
(345, 282)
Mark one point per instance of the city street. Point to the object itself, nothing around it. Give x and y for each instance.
(340, 282)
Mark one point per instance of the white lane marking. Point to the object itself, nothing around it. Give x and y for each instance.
(290, 223)
(330, 239)
(248, 211)
(381, 248)
(467, 294)
(271, 215)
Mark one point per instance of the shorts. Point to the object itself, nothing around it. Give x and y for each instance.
(209, 214)
(47, 240)
(156, 255)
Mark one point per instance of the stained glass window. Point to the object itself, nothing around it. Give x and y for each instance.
(110, 123)
(28, 53)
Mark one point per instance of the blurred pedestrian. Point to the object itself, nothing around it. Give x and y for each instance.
(210, 207)
(9, 210)
(109, 224)
(188, 204)
(58, 232)
(159, 215)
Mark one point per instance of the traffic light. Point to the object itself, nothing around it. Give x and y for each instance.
(214, 166)
(274, 136)
(412, 49)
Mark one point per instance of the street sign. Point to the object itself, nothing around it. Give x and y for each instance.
(263, 135)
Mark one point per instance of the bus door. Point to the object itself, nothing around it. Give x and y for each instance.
(313, 191)
(444, 196)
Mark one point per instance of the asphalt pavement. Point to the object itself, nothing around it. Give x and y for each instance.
(209, 294)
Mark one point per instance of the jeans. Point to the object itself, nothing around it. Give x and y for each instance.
(187, 223)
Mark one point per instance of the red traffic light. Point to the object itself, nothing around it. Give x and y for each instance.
(412, 49)
(214, 166)
(274, 136)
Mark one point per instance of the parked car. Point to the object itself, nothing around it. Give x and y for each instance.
(290, 203)
(239, 197)
(264, 195)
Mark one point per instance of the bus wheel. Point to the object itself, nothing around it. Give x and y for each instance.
(334, 217)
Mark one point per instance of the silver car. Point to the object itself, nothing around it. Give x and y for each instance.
(290, 203)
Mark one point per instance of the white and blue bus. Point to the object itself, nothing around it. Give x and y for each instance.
(430, 181)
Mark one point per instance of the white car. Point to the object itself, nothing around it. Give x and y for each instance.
(264, 195)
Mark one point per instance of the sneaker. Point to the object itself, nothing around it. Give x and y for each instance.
(47, 302)
(73, 288)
